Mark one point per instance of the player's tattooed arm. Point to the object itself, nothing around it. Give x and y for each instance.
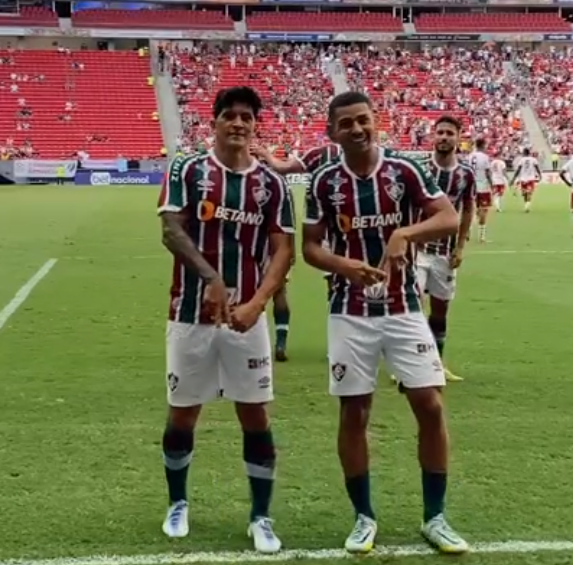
(180, 244)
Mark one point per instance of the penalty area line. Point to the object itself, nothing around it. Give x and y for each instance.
(509, 547)
(22, 294)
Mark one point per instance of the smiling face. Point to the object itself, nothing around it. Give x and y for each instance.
(353, 127)
(446, 138)
(235, 126)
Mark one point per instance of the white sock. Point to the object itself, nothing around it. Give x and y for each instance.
(481, 233)
(527, 206)
(497, 203)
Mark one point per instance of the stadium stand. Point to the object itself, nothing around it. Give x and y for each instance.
(293, 86)
(56, 103)
(152, 19)
(539, 22)
(323, 22)
(411, 90)
(30, 16)
(550, 83)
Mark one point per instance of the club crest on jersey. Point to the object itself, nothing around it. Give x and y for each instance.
(394, 188)
(261, 193)
(336, 182)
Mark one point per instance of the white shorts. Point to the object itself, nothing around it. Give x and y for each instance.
(405, 342)
(435, 276)
(204, 362)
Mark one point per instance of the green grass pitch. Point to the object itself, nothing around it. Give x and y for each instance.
(83, 403)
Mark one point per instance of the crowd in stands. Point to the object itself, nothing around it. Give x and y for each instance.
(409, 91)
(485, 87)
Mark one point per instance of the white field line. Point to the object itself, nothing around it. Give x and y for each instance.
(469, 254)
(24, 292)
(510, 547)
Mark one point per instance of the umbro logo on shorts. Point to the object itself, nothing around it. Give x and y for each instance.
(338, 371)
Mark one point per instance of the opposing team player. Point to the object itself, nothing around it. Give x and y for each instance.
(529, 174)
(480, 162)
(566, 175)
(438, 261)
(499, 180)
(370, 200)
(308, 163)
(223, 214)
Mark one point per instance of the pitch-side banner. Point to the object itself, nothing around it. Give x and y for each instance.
(35, 168)
(92, 178)
(289, 37)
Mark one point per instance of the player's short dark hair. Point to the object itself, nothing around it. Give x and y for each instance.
(526, 151)
(480, 143)
(348, 98)
(447, 119)
(228, 97)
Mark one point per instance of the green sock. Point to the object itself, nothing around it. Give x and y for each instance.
(434, 493)
(282, 319)
(260, 458)
(358, 489)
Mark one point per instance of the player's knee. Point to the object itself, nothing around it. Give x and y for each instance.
(183, 418)
(427, 405)
(355, 413)
(280, 298)
(252, 417)
(438, 309)
(438, 325)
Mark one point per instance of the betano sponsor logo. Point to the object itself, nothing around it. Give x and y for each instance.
(347, 223)
(209, 211)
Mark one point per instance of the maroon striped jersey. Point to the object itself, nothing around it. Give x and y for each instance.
(318, 156)
(229, 217)
(360, 215)
(458, 183)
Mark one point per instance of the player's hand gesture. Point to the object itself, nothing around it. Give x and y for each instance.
(216, 302)
(395, 253)
(259, 152)
(245, 316)
(361, 274)
(456, 258)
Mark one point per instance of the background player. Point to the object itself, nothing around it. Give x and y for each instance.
(566, 175)
(481, 165)
(220, 213)
(308, 163)
(499, 180)
(369, 201)
(438, 260)
(528, 173)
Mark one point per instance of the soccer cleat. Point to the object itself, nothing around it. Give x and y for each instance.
(280, 355)
(438, 533)
(361, 539)
(176, 524)
(450, 377)
(264, 538)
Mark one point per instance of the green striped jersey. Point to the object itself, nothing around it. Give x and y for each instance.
(360, 215)
(229, 217)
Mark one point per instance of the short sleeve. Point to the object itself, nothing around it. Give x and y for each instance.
(421, 187)
(313, 209)
(469, 195)
(282, 209)
(311, 160)
(173, 196)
